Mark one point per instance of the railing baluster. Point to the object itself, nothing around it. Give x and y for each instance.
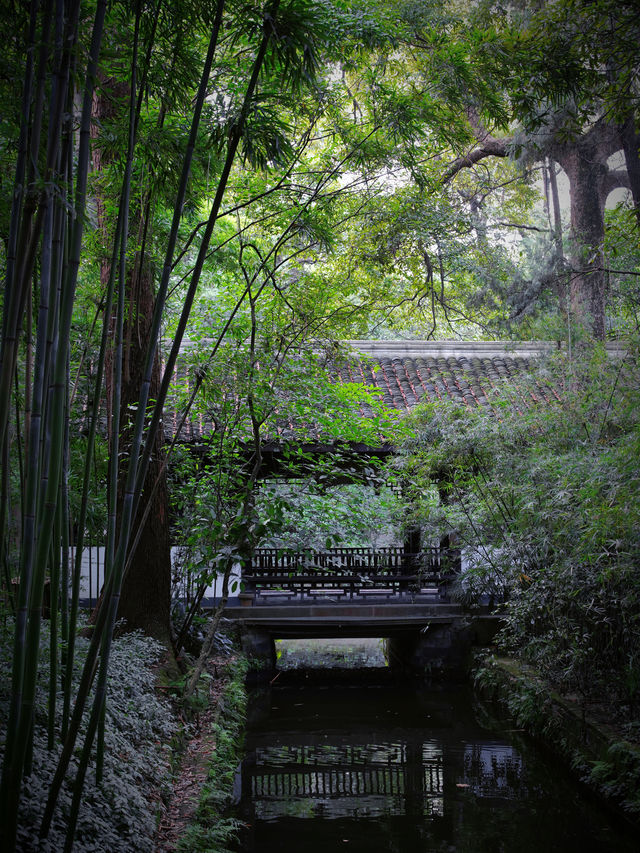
(348, 570)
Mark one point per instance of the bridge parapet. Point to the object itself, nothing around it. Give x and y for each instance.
(348, 573)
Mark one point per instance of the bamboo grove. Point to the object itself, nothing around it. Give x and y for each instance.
(65, 45)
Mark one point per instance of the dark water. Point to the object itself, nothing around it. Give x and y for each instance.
(393, 766)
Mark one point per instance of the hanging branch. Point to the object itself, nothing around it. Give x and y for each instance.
(286, 234)
(232, 146)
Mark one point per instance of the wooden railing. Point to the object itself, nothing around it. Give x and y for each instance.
(348, 571)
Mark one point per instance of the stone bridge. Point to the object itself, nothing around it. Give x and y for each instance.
(361, 592)
(402, 594)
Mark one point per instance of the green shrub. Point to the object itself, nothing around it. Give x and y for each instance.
(213, 829)
(543, 492)
(119, 814)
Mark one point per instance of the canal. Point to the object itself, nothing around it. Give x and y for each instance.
(363, 760)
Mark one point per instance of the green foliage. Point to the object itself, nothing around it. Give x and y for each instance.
(221, 513)
(572, 50)
(318, 514)
(149, 106)
(604, 762)
(542, 490)
(213, 830)
(335, 224)
(622, 250)
(117, 814)
(618, 775)
(264, 384)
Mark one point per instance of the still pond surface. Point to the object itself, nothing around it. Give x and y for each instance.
(363, 761)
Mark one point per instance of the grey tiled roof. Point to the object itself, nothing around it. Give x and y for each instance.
(407, 373)
(410, 372)
(406, 381)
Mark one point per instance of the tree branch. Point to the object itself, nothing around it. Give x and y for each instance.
(616, 179)
(491, 147)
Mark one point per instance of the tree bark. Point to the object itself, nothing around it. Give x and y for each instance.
(584, 161)
(490, 147)
(145, 599)
(561, 289)
(630, 144)
(587, 289)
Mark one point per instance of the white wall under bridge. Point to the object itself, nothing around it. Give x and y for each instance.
(92, 576)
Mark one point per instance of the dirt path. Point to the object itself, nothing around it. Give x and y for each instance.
(194, 764)
(196, 759)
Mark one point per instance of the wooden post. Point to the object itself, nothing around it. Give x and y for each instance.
(411, 551)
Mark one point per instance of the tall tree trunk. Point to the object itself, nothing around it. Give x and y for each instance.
(146, 591)
(561, 286)
(631, 145)
(587, 290)
(590, 180)
(584, 159)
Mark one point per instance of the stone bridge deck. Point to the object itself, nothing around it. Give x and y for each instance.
(425, 636)
(355, 618)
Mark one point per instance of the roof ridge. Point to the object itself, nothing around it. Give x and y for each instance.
(458, 349)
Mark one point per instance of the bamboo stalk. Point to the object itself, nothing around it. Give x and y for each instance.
(107, 612)
(173, 236)
(52, 428)
(66, 626)
(9, 318)
(16, 746)
(35, 552)
(234, 140)
(54, 586)
(87, 473)
(134, 106)
(134, 484)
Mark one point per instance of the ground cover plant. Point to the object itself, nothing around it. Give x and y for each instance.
(214, 829)
(121, 812)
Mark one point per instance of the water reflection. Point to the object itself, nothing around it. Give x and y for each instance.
(342, 780)
(392, 767)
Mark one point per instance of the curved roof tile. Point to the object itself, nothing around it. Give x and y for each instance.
(406, 373)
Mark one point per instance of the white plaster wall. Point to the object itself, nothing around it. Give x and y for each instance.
(92, 575)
